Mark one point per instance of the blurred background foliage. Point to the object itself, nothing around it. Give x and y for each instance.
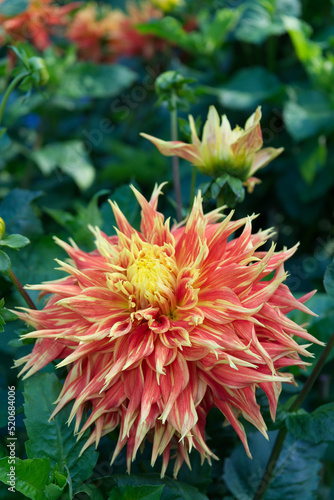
(76, 143)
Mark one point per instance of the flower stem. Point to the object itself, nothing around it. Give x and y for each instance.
(22, 291)
(9, 90)
(270, 469)
(314, 375)
(193, 185)
(175, 159)
(220, 199)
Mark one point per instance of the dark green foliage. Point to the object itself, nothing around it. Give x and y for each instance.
(54, 438)
(317, 427)
(297, 469)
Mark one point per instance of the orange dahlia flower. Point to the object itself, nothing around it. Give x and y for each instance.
(97, 31)
(236, 152)
(37, 21)
(156, 327)
(105, 34)
(132, 42)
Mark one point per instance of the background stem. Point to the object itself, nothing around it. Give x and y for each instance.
(270, 469)
(220, 200)
(22, 291)
(175, 160)
(193, 185)
(9, 90)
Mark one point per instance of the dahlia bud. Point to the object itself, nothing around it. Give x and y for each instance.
(2, 227)
(171, 86)
(39, 70)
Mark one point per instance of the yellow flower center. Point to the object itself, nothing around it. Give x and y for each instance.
(153, 273)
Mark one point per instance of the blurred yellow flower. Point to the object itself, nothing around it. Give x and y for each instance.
(167, 5)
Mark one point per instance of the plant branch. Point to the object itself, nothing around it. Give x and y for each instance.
(175, 160)
(21, 290)
(9, 90)
(193, 185)
(314, 375)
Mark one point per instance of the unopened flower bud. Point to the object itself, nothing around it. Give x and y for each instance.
(2, 227)
(39, 70)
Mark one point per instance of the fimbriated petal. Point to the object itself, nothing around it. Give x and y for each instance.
(263, 157)
(157, 326)
(188, 152)
(194, 137)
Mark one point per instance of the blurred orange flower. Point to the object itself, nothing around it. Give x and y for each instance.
(103, 34)
(97, 32)
(135, 43)
(36, 23)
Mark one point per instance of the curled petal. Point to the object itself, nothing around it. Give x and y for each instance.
(157, 326)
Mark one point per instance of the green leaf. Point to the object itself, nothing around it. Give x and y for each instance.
(234, 192)
(70, 157)
(308, 114)
(22, 56)
(230, 188)
(35, 263)
(92, 491)
(8, 315)
(53, 491)
(21, 106)
(5, 315)
(11, 8)
(316, 427)
(77, 225)
(262, 19)
(312, 159)
(306, 50)
(169, 28)
(119, 169)
(86, 79)
(5, 263)
(130, 492)
(60, 478)
(173, 490)
(17, 210)
(248, 88)
(54, 439)
(15, 241)
(3, 407)
(329, 280)
(213, 30)
(31, 476)
(297, 469)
